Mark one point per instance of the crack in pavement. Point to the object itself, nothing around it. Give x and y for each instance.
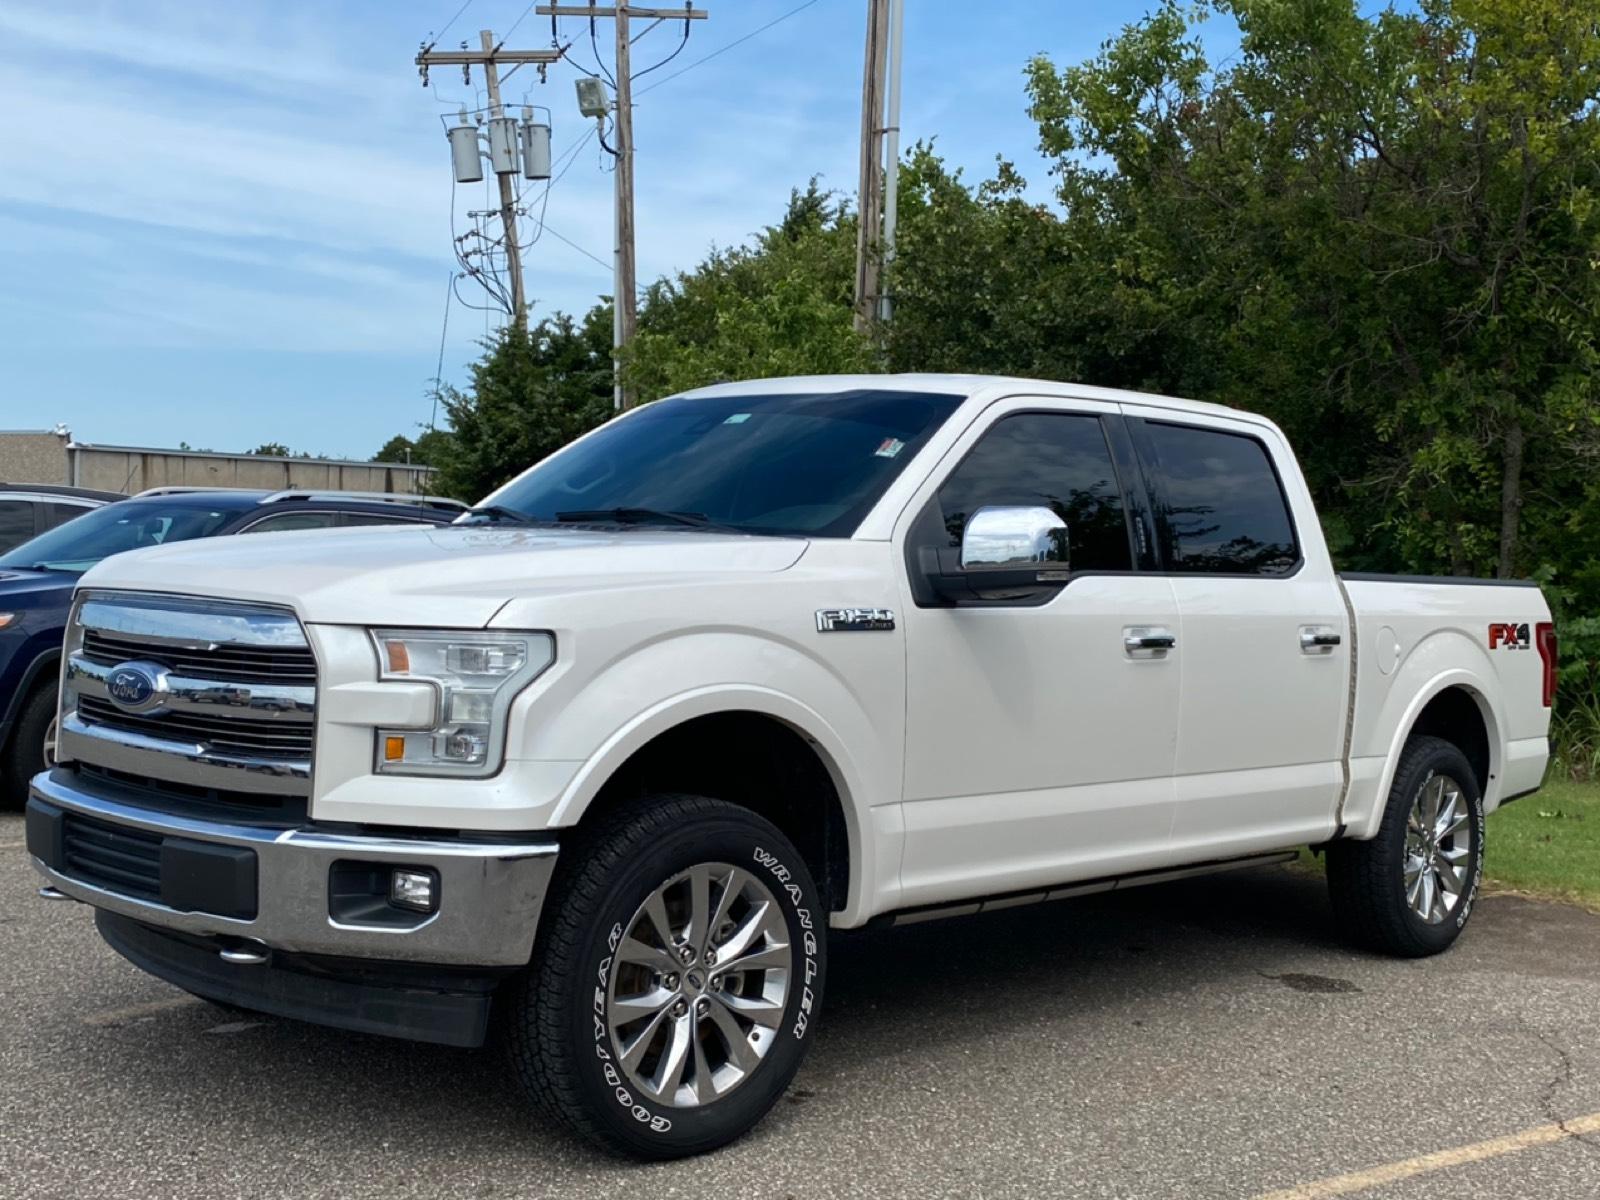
(1563, 1078)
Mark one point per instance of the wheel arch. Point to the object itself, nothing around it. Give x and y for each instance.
(1455, 705)
(726, 742)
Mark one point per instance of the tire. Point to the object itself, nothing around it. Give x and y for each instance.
(1377, 890)
(567, 1020)
(24, 754)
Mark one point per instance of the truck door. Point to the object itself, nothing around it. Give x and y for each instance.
(1261, 631)
(1040, 729)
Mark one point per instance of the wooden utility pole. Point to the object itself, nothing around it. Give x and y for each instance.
(626, 303)
(870, 202)
(489, 58)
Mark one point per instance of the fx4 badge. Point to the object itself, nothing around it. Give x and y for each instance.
(854, 620)
(1510, 636)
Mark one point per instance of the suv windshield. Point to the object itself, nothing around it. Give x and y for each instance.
(79, 544)
(792, 464)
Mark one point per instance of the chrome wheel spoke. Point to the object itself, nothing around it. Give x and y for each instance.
(656, 909)
(698, 931)
(704, 1086)
(1434, 871)
(770, 954)
(745, 935)
(676, 1057)
(739, 1050)
(758, 1010)
(732, 887)
(632, 950)
(626, 1009)
(634, 1053)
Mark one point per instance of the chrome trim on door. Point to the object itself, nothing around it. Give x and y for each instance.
(1318, 639)
(1148, 641)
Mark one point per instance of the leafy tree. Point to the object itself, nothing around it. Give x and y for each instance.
(427, 447)
(531, 394)
(1381, 231)
(271, 449)
(780, 306)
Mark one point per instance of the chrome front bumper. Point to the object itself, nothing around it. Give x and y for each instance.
(490, 893)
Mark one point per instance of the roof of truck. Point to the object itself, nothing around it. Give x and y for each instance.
(963, 385)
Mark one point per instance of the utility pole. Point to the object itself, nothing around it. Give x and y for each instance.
(489, 58)
(880, 159)
(868, 202)
(625, 305)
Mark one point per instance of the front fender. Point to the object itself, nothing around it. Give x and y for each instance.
(851, 712)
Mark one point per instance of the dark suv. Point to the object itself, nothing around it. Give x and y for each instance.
(29, 509)
(37, 578)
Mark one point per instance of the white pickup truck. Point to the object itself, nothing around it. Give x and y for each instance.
(611, 757)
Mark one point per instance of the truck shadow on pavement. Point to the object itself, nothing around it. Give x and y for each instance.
(924, 990)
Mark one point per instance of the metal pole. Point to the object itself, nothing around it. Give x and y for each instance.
(627, 297)
(508, 198)
(891, 167)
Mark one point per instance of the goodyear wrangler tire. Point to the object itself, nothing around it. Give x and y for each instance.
(1410, 890)
(675, 981)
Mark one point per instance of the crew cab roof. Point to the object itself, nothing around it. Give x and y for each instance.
(970, 386)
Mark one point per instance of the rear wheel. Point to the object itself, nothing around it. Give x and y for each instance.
(677, 972)
(1410, 890)
(32, 745)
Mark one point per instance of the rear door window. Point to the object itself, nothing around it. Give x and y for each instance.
(283, 522)
(16, 522)
(1226, 513)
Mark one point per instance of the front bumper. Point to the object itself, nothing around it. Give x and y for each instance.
(271, 888)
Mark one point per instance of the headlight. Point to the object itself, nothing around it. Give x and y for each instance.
(477, 674)
(8, 619)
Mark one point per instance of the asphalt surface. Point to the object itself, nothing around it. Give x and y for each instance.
(1204, 1039)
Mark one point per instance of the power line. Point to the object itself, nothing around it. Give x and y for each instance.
(736, 42)
(438, 370)
(446, 29)
(577, 247)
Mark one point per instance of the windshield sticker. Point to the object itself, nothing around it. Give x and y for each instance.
(889, 447)
(737, 419)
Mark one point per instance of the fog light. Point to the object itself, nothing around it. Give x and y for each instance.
(414, 889)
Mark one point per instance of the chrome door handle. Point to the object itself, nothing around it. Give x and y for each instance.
(1318, 639)
(1147, 641)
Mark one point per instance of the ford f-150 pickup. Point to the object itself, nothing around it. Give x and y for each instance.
(609, 758)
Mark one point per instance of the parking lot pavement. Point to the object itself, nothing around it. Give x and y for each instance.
(1205, 1039)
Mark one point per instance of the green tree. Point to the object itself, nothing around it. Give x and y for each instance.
(780, 306)
(427, 448)
(1380, 231)
(531, 394)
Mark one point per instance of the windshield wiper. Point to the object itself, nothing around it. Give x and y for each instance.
(639, 516)
(499, 512)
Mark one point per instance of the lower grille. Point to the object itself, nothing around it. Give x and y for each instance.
(115, 857)
(289, 740)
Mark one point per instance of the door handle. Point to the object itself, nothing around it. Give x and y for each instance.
(1147, 641)
(1318, 639)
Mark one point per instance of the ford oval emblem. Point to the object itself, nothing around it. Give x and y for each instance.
(137, 687)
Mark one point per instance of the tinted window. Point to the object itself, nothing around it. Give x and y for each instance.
(284, 522)
(1226, 512)
(16, 522)
(60, 514)
(810, 464)
(130, 525)
(1052, 459)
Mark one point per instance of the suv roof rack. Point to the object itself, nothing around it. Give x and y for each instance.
(175, 489)
(375, 497)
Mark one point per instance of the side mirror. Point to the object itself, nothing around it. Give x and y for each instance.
(1005, 537)
(1005, 552)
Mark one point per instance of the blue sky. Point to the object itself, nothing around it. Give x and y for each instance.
(229, 223)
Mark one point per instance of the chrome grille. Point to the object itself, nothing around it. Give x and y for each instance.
(200, 693)
(280, 664)
(276, 739)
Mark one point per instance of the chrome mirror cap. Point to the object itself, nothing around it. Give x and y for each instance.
(1001, 536)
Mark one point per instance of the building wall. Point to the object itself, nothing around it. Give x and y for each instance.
(133, 469)
(32, 456)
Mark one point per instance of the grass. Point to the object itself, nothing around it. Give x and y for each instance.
(1546, 845)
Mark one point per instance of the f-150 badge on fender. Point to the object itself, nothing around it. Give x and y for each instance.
(854, 620)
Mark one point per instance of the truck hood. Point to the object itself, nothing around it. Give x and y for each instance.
(452, 576)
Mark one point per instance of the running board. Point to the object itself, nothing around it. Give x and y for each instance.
(965, 908)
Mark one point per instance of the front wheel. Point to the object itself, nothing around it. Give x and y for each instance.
(676, 978)
(32, 746)
(1410, 890)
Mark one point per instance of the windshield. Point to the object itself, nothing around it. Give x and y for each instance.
(80, 543)
(794, 464)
